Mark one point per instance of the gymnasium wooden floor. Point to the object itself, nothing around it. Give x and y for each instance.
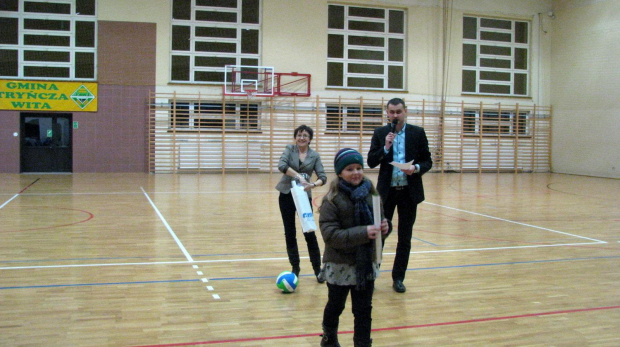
(191, 260)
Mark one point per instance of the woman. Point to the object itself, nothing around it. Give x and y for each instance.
(297, 163)
(347, 226)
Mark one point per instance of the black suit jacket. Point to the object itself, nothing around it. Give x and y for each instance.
(416, 149)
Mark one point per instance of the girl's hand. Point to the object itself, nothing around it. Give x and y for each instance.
(373, 231)
(385, 227)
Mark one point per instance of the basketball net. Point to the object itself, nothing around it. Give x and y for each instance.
(250, 92)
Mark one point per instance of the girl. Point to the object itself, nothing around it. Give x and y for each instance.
(347, 226)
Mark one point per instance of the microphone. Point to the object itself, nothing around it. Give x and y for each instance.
(393, 124)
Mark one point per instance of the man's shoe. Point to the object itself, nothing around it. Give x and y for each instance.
(399, 287)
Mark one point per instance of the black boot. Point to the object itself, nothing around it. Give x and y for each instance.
(315, 255)
(293, 258)
(329, 337)
(360, 343)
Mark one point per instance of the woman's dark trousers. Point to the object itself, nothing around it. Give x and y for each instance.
(288, 211)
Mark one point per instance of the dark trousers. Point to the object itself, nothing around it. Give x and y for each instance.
(288, 211)
(407, 211)
(361, 306)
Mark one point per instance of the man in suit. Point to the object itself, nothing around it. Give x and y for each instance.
(402, 143)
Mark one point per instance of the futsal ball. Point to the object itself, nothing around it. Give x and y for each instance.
(287, 281)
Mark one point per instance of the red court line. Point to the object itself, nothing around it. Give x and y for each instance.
(90, 216)
(429, 325)
(490, 319)
(28, 186)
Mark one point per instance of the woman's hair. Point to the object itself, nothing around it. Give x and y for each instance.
(305, 128)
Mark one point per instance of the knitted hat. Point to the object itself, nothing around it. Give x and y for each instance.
(345, 157)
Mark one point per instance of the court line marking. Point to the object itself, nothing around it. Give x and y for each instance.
(204, 280)
(176, 239)
(95, 284)
(182, 262)
(174, 236)
(20, 192)
(191, 260)
(514, 222)
(425, 202)
(7, 202)
(417, 326)
(220, 192)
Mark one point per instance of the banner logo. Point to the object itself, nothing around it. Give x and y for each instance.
(48, 96)
(82, 96)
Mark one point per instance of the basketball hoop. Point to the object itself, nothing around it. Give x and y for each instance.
(251, 81)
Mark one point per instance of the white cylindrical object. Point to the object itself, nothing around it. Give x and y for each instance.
(376, 211)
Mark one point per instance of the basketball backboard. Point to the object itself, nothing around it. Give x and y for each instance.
(292, 84)
(245, 80)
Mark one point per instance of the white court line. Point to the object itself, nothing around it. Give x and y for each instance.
(190, 260)
(519, 223)
(182, 262)
(174, 236)
(6, 203)
(507, 247)
(157, 192)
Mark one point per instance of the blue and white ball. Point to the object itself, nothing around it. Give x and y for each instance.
(287, 282)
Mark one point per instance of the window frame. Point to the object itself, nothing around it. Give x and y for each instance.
(65, 48)
(478, 79)
(508, 125)
(353, 119)
(211, 63)
(208, 116)
(343, 68)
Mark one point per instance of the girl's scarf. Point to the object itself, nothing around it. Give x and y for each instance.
(363, 216)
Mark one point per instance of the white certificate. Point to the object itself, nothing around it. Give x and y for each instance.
(405, 166)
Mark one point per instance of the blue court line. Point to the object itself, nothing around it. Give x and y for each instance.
(271, 277)
(76, 259)
(97, 284)
(445, 267)
(424, 241)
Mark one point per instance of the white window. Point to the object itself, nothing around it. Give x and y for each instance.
(203, 115)
(353, 119)
(366, 48)
(209, 34)
(495, 56)
(492, 123)
(53, 39)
